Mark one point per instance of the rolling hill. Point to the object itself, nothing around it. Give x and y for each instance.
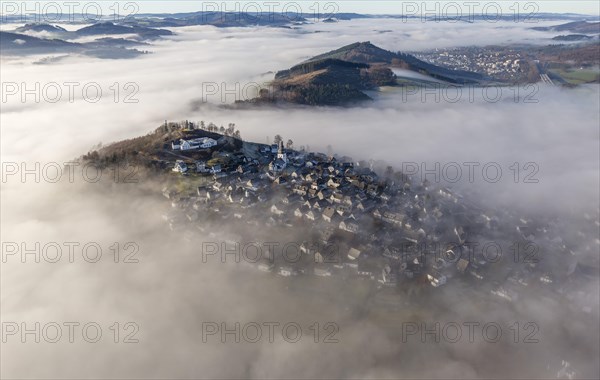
(341, 76)
(580, 27)
(366, 52)
(24, 44)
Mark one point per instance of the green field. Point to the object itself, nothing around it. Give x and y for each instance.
(577, 76)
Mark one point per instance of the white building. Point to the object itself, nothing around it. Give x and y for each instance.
(287, 271)
(276, 210)
(349, 225)
(436, 279)
(216, 169)
(180, 167)
(199, 143)
(353, 254)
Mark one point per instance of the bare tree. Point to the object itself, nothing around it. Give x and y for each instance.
(230, 129)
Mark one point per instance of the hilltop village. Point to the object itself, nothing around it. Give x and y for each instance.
(345, 218)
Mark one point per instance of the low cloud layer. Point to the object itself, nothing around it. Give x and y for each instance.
(170, 292)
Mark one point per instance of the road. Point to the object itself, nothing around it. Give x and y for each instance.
(546, 79)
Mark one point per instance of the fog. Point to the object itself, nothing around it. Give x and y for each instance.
(171, 292)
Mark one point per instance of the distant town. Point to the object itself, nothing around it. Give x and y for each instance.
(556, 64)
(504, 65)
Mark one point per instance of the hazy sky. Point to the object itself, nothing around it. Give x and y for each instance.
(385, 6)
(376, 7)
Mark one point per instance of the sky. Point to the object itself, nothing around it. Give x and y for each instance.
(389, 6)
(371, 7)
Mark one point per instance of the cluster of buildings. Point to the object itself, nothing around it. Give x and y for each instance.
(200, 167)
(502, 64)
(353, 221)
(365, 225)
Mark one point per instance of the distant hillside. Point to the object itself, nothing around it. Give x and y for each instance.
(218, 19)
(360, 52)
(326, 82)
(582, 27)
(279, 17)
(116, 42)
(572, 37)
(366, 52)
(104, 28)
(27, 40)
(97, 29)
(104, 48)
(580, 54)
(341, 76)
(39, 28)
(13, 42)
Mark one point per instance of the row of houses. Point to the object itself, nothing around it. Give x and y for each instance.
(199, 167)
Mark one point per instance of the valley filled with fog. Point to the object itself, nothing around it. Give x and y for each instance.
(171, 291)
